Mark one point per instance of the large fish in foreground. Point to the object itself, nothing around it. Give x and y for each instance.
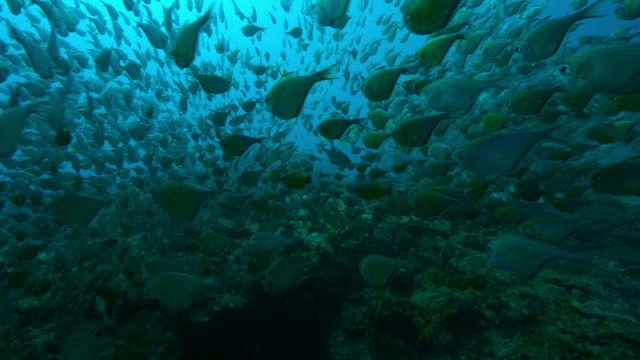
(287, 96)
(186, 42)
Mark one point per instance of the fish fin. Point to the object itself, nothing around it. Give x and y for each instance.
(328, 73)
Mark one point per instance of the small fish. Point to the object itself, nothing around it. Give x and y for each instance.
(296, 180)
(38, 56)
(287, 96)
(417, 131)
(156, 37)
(523, 258)
(499, 154)
(531, 101)
(456, 95)
(332, 13)
(628, 10)
(296, 32)
(186, 42)
(543, 40)
(334, 128)
(621, 178)
(181, 201)
(612, 69)
(435, 49)
(214, 84)
(238, 144)
(251, 29)
(372, 190)
(75, 209)
(424, 17)
(379, 84)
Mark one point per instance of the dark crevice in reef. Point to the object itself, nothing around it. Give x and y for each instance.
(292, 325)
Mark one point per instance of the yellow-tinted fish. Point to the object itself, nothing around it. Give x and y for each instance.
(531, 101)
(379, 84)
(334, 128)
(373, 139)
(379, 118)
(287, 96)
(186, 42)
(610, 69)
(416, 131)
(543, 40)
(435, 49)
(427, 16)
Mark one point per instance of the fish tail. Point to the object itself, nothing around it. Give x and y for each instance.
(328, 73)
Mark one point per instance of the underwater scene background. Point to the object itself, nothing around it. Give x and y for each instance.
(320, 179)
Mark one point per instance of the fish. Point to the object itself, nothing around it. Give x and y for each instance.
(621, 178)
(531, 101)
(608, 69)
(379, 85)
(524, 258)
(374, 139)
(500, 153)
(296, 180)
(186, 42)
(181, 201)
(12, 123)
(213, 84)
(628, 10)
(455, 95)
(435, 49)
(379, 118)
(296, 32)
(543, 39)
(424, 17)
(38, 57)
(287, 96)
(371, 190)
(238, 144)
(417, 131)
(15, 6)
(334, 128)
(251, 29)
(331, 13)
(156, 37)
(378, 269)
(75, 209)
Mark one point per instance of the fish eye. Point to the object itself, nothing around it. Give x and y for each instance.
(595, 177)
(406, 17)
(616, 11)
(518, 48)
(564, 69)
